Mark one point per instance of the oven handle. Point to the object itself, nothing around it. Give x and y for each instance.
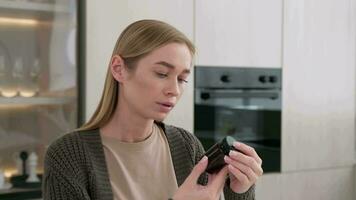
(205, 95)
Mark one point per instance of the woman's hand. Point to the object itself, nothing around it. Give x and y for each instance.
(244, 168)
(190, 189)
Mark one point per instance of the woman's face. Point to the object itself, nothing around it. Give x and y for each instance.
(157, 82)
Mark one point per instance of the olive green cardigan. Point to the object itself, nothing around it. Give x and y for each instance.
(75, 166)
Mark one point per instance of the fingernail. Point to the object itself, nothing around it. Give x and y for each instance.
(203, 159)
(232, 153)
(236, 144)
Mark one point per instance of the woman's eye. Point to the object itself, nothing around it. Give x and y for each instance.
(181, 80)
(164, 75)
(161, 75)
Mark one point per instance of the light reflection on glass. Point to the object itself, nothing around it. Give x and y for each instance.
(18, 21)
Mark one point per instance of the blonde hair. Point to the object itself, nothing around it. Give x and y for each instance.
(136, 41)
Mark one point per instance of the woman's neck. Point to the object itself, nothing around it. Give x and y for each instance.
(127, 127)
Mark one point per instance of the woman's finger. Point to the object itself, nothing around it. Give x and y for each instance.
(246, 160)
(218, 180)
(241, 177)
(251, 175)
(197, 171)
(247, 150)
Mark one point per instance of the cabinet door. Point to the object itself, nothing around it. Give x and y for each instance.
(38, 84)
(318, 84)
(107, 20)
(328, 184)
(269, 186)
(238, 33)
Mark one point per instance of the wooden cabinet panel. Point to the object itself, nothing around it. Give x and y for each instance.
(269, 187)
(318, 84)
(327, 184)
(238, 33)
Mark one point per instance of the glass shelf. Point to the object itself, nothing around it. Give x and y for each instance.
(38, 55)
(32, 101)
(31, 10)
(28, 6)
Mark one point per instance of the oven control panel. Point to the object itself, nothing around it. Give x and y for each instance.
(237, 78)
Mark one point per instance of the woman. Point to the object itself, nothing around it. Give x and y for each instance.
(125, 151)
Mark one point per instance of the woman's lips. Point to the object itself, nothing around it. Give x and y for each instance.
(165, 106)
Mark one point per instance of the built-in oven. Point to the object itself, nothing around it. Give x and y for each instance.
(241, 102)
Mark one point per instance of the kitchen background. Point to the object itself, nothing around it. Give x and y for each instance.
(311, 42)
(39, 90)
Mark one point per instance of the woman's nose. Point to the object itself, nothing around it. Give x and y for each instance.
(173, 88)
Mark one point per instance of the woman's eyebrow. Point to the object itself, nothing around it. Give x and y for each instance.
(169, 65)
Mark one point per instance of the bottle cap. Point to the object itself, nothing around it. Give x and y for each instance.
(227, 144)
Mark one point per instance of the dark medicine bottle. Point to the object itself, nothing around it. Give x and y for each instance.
(217, 152)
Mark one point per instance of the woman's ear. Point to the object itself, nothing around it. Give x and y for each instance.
(117, 67)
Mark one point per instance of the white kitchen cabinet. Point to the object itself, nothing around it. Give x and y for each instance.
(326, 184)
(329, 184)
(239, 33)
(105, 21)
(318, 84)
(268, 187)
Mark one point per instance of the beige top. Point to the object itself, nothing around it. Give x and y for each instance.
(142, 170)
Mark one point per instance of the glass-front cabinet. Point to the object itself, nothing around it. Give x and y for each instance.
(38, 84)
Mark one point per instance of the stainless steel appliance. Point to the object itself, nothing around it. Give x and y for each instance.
(241, 102)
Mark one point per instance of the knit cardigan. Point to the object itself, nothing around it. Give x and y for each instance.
(75, 166)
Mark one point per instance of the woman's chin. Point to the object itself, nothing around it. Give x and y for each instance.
(160, 117)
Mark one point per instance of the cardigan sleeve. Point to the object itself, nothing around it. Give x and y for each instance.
(61, 178)
(57, 187)
(197, 150)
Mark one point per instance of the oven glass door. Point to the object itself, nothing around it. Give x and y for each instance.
(252, 117)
